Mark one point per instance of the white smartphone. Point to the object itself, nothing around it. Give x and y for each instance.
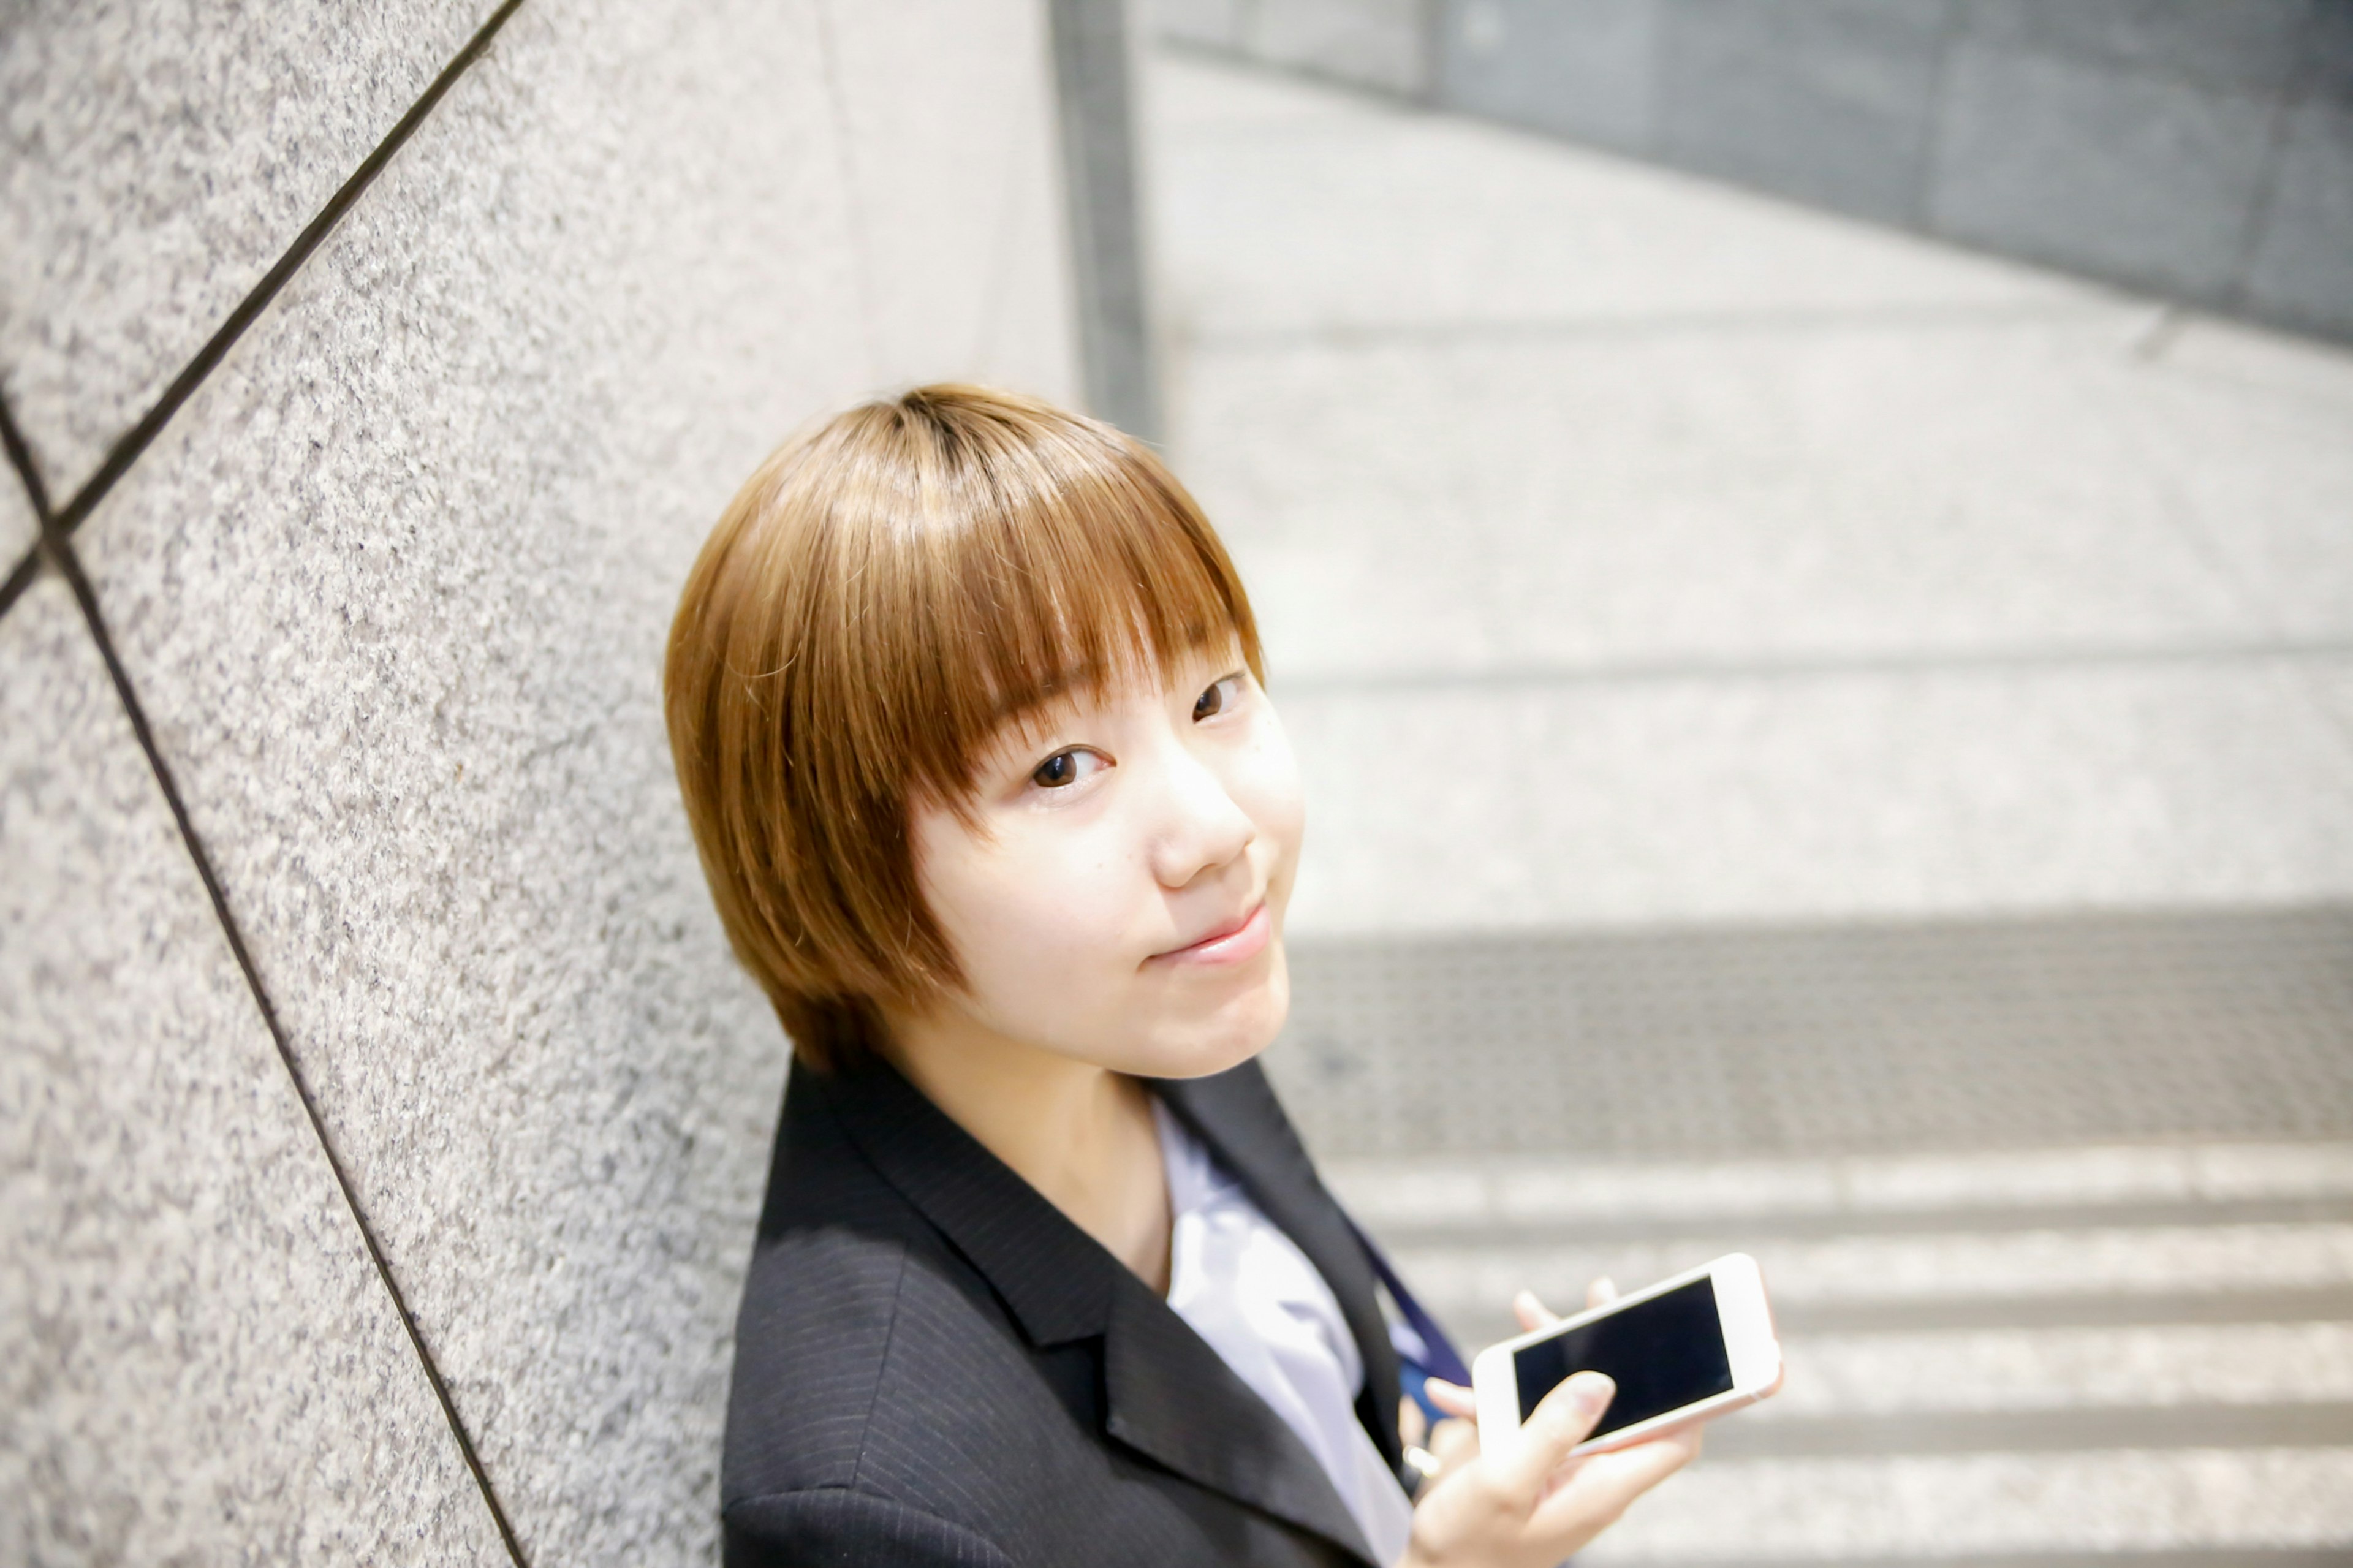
(1686, 1350)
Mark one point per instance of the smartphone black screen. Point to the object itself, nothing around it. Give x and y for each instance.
(1664, 1354)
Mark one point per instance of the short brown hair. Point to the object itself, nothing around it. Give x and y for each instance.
(885, 592)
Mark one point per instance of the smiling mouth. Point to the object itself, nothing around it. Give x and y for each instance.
(1246, 938)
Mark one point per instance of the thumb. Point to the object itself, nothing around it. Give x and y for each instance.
(1559, 1424)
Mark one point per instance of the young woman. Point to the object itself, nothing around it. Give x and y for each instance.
(969, 716)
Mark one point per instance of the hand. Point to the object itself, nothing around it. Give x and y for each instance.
(1456, 1439)
(1519, 1502)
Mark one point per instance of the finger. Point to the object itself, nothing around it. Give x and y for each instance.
(1531, 1311)
(1452, 1398)
(1412, 1424)
(1455, 1444)
(1601, 1292)
(1558, 1424)
(1600, 1487)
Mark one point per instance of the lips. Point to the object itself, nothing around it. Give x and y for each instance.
(1229, 944)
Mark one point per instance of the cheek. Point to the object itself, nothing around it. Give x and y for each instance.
(1025, 912)
(1266, 785)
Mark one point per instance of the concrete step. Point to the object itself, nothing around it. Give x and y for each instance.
(2116, 1354)
(1911, 1507)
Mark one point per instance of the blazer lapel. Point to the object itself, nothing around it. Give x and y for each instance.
(1171, 1397)
(1167, 1394)
(1236, 1114)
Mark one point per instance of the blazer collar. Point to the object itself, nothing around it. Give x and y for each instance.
(1236, 1115)
(1167, 1394)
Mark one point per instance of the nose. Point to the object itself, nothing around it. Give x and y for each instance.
(1200, 826)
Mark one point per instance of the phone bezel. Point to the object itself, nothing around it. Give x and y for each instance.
(1744, 1317)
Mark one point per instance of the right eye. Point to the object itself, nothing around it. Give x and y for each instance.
(1066, 768)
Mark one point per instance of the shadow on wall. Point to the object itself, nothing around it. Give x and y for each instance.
(2201, 151)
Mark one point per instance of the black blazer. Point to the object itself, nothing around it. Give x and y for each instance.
(933, 1365)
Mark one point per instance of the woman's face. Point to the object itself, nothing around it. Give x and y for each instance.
(1121, 902)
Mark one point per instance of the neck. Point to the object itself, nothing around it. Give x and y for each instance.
(1081, 1134)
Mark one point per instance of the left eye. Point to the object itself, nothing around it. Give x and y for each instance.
(1221, 696)
(1064, 769)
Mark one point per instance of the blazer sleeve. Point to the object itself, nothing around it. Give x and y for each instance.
(835, 1525)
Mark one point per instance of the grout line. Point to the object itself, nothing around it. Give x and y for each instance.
(136, 441)
(56, 547)
(36, 495)
(20, 578)
(1803, 667)
(60, 553)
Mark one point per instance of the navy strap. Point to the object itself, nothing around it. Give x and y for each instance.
(1442, 1360)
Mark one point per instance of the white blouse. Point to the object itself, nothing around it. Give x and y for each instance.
(1247, 1289)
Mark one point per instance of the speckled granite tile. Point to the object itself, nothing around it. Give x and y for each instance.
(18, 527)
(950, 114)
(157, 158)
(395, 585)
(197, 1361)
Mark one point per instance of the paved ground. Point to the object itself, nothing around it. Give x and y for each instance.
(1847, 747)
(1635, 550)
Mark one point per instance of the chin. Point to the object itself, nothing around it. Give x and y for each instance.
(1236, 1029)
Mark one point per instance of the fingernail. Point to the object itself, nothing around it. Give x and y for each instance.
(1592, 1390)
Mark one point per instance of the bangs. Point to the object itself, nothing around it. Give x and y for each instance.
(993, 566)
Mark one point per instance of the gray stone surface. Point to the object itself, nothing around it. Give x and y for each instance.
(2249, 45)
(2225, 1504)
(1284, 209)
(2133, 140)
(2068, 1033)
(2140, 178)
(2298, 270)
(1633, 550)
(157, 157)
(2327, 68)
(1379, 43)
(18, 527)
(395, 586)
(1213, 24)
(1586, 69)
(1094, 78)
(198, 1362)
(2275, 526)
(1466, 808)
(1827, 101)
(948, 110)
(1975, 488)
(1616, 502)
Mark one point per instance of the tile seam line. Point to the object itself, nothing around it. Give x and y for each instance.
(36, 496)
(55, 545)
(133, 444)
(61, 554)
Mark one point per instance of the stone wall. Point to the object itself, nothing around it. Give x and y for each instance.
(2197, 150)
(384, 1120)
